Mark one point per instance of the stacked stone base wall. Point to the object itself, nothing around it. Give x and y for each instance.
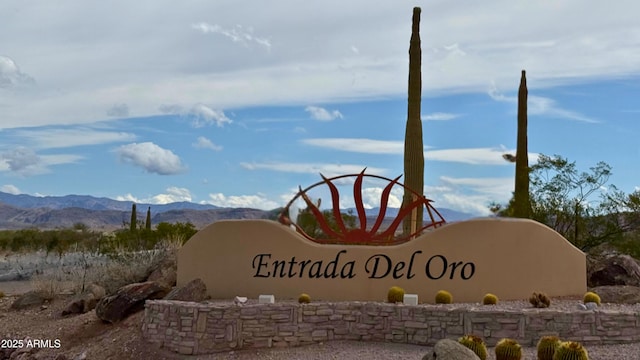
(192, 328)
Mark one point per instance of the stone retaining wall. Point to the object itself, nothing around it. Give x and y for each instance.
(191, 328)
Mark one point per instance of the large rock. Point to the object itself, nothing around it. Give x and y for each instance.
(618, 294)
(128, 299)
(29, 299)
(86, 301)
(613, 269)
(195, 290)
(447, 349)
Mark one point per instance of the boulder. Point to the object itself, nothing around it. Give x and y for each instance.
(29, 299)
(195, 290)
(128, 299)
(86, 301)
(447, 349)
(613, 269)
(618, 294)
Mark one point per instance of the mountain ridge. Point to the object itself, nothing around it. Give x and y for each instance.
(26, 211)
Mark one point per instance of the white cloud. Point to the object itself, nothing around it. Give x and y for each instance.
(474, 156)
(322, 114)
(371, 197)
(151, 157)
(21, 159)
(258, 201)
(312, 64)
(359, 145)
(538, 105)
(62, 138)
(10, 74)
(202, 115)
(205, 115)
(439, 116)
(26, 162)
(10, 189)
(470, 195)
(173, 194)
(204, 143)
(237, 34)
(325, 169)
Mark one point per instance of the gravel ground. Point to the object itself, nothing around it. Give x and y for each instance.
(346, 350)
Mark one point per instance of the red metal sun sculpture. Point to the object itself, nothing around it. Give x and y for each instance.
(361, 235)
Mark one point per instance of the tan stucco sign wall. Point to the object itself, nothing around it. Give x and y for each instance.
(507, 257)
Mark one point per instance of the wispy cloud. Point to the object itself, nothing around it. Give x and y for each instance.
(325, 169)
(26, 162)
(538, 105)
(474, 156)
(359, 145)
(204, 143)
(322, 114)
(118, 110)
(203, 115)
(48, 138)
(470, 195)
(439, 116)
(151, 157)
(237, 34)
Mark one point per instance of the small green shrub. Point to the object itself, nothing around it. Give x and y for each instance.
(540, 300)
(395, 294)
(571, 350)
(547, 347)
(444, 297)
(490, 299)
(304, 298)
(590, 296)
(508, 349)
(475, 344)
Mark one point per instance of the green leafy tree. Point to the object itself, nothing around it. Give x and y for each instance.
(413, 146)
(581, 206)
(308, 222)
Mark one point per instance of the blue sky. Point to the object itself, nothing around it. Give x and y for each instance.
(237, 103)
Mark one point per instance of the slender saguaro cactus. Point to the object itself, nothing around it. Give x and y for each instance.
(413, 148)
(522, 202)
(134, 218)
(147, 223)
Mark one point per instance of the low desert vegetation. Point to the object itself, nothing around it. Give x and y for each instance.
(82, 257)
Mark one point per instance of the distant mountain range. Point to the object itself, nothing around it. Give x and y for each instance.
(49, 212)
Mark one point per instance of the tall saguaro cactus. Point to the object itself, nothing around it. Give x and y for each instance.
(134, 218)
(522, 202)
(413, 148)
(147, 222)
